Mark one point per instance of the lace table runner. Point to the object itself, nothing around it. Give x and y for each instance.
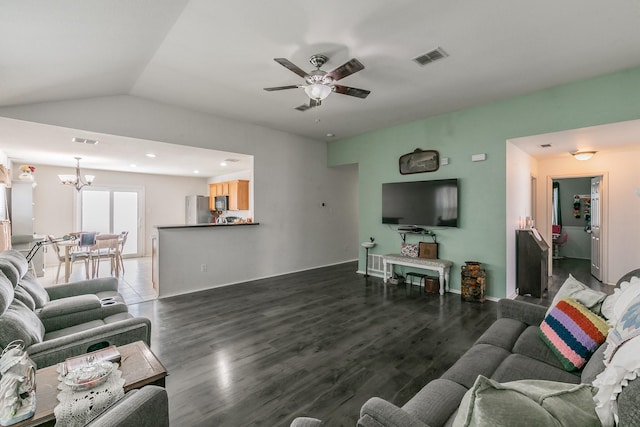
(77, 408)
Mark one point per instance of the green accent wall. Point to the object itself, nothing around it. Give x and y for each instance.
(481, 235)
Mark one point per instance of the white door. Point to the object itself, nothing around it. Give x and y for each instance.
(596, 244)
(112, 211)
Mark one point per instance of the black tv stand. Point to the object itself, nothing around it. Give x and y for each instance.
(411, 229)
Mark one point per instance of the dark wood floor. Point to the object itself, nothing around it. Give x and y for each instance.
(579, 268)
(317, 343)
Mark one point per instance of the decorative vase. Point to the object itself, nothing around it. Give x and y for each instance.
(26, 176)
(473, 282)
(18, 384)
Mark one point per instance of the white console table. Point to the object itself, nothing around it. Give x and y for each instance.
(441, 266)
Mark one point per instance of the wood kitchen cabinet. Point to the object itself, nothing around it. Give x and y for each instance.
(238, 195)
(237, 191)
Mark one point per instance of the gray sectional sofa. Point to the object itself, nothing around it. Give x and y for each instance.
(64, 320)
(509, 350)
(146, 407)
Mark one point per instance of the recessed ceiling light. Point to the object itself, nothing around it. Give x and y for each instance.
(330, 135)
(133, 165)
(223, 163)
(150, 155)
(196, 171)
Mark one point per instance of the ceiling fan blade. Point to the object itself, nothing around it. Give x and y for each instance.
(291, 66)
(352, 91)
(346, 69)
(312, 103)
(269, 89)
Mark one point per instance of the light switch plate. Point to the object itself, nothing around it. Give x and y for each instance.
(444, 161)
(478, 157)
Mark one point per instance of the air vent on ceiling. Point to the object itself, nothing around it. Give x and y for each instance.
(431, 56)
(85, 141)
(232, 160)
(545, 145)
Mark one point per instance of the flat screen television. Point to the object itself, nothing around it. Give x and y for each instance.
(421, 203)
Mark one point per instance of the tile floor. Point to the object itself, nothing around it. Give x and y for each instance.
(134, 284)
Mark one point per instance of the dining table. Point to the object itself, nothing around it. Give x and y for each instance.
(71, 244)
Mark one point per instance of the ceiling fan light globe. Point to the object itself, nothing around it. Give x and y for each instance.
(317, 91)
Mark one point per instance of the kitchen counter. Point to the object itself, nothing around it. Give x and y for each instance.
(189, 258)
(211, 224)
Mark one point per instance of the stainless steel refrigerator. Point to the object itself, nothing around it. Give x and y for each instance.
(197, 210)
(21, 207)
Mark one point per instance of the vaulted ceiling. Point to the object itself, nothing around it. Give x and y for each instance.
(217, 56)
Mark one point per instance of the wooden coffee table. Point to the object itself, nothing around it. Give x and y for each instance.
(139, 367)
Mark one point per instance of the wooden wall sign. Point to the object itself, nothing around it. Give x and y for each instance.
(419, 161)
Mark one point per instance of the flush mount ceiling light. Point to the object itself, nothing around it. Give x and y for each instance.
(76, 180)
(583, 155)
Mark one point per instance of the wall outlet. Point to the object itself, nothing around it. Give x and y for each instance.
(203, 267)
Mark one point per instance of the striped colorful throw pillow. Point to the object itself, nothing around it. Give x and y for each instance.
(573, 332)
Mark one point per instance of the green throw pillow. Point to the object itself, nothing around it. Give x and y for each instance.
(527, 402)
(573, 288)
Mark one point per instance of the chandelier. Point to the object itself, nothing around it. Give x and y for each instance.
(76, 180)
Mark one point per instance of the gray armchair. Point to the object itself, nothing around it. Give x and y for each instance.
(65, 320)
(147, 407)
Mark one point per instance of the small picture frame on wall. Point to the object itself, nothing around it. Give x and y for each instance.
(419, 161)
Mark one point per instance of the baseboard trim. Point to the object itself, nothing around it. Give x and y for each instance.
(255, 278)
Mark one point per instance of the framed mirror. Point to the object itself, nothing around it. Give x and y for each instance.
(419, 161)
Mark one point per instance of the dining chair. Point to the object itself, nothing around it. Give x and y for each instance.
(86, 242)
(73, 257)
(105, 248)
(121, 242)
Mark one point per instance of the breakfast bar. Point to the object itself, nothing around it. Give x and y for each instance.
(194, 257)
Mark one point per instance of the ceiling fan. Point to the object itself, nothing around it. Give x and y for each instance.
(318, 83)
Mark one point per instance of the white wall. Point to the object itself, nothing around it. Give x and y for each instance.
(5, 162)
(55, 208)
(291, 179)
(520, 169)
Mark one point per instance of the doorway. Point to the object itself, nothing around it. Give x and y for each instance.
(112, 211)
(577, 220)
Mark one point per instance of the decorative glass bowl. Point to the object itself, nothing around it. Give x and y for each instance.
(88, 376)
